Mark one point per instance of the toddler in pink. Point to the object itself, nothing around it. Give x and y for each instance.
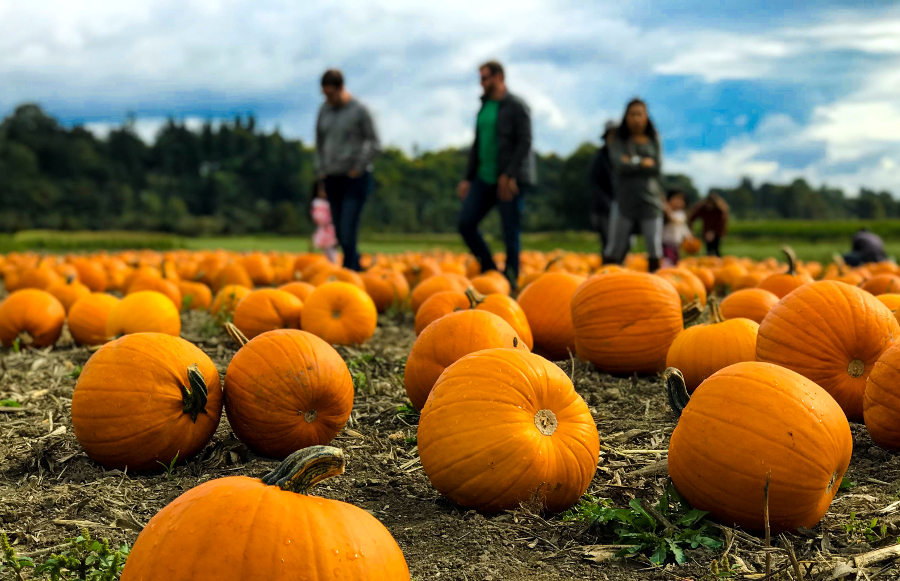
(324, 237)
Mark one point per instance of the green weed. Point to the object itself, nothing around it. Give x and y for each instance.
(85, 559)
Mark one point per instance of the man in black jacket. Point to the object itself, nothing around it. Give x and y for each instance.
(600, 181)
(501, 169)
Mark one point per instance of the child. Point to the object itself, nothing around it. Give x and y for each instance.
(675, 228)
(324, 237)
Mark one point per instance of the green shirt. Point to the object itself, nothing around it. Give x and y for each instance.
(487, 142)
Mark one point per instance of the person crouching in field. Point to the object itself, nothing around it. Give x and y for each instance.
(324, 238)
(675, 228)
(635, 153)
(713, 213)
(866, 247)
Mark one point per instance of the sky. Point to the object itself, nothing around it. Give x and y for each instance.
(768, 90)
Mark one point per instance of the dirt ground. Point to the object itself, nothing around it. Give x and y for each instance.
(49, 488)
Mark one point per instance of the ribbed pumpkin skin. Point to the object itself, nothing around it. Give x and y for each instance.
(748, 303)
(625, 321)
(286, 390)
(31, 311)
(272, 535)
(437, 305)
(228, 297)
(267, 309)
(128, 410)
(546, 303)
(820, 330)
(440, 282)
(340, 313)
(881, 405)
(755, 420)
(144, 312)
(690, 288)
(88, 316)
(701, 350)
(510, 311)
(446, 340)
(479, 442)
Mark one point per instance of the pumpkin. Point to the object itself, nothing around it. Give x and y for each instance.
(91, 274)
(386, 286)
(781, 284)
(258, 268)
(267, 309)
(143, 312)
(31, 316)
(546, 304)
(144, 399)
(299, 289)
(882, 284)
(881, 403)
(689, 287)
(227, 299)
(231, 274)
(194, 295)
(340, 313)
(690, 245)
(701, 350)
(491, 282)
(39, 277)
(161, 285)
(507, 309)
(505, 426)
(286, 390)
(446, 340)
(434, 284)
(890, 300)
(438, 305)
(755, 432)
(88, 317)
(273, 529)
(625, 321)
(832, 333)
(336, 274)
(68, 291)
(748, 303)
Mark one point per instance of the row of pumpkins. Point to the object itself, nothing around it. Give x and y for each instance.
(499, 425)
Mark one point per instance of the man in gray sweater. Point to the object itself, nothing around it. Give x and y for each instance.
(346, 147)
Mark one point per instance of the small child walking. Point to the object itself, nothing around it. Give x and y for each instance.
(324, 238)
(675, 228)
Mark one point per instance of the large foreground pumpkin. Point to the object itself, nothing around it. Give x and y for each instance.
(505, 426)
(145, 398)
(755, 423)
(286, 390)
(625, 321)
(246, 529)
(831, 333)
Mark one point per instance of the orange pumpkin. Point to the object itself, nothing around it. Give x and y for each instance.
(748, 303)
(625, 321)
(232, 274)
(689, 287)
(507, 309)
(287, 390)
(434, 284)
(144, 399)
(491, 282)
(832, 333)
(143, 312)
(88, 317)
(67, 292)
(161, 285)
(781, 284)
(882, 284)
(504, 426)
(92, 274)
(546, 304)
(227, 299)
(438, 305)
(32, 316)
(890, 300)
(340, 313)
(267, 309)
(299, 289)
(446, 340)
(386, 287)
(338, 275)
(259, 518)
(753, 427)
(701, 350)
(194, 295)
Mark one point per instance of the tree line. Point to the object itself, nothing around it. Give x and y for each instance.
(233, 178)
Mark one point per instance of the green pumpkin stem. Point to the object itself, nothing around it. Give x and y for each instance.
(715, 312)
(305, 468)
(195, 399)
(676, 390)
(236, 334)
(475, 297)
(791, 259)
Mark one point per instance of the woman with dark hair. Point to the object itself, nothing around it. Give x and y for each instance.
(636, 154)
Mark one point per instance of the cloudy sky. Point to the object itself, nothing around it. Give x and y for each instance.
(765, 89)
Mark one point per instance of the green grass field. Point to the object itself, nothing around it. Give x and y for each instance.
(757, 240)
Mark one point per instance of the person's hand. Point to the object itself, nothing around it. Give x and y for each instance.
(709, 235)
(462, 190)
(626, 158)
(320, 191)
(503, 191)
(647, 162)
(353, 173)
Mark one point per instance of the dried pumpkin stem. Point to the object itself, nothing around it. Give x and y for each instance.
(545, 421)
(691, 312)
(475, 297)
(676, 390)
(791, 257)
(306, 467)
(195, 399)
(236, 334)
(856, 368)
(715, 313)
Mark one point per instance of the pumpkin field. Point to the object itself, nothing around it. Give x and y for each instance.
(193, 414)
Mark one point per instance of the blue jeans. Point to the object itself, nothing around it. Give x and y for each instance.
(347, 196)
(482, 197)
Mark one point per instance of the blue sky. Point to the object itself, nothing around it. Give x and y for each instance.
(769, 90)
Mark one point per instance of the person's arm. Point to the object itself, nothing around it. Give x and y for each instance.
(371, 146)
(523, 140)
(317, 158)
(624, 164)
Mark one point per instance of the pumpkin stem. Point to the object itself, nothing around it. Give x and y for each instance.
(551, 263)
(715, 313)
(305, 468)
(195, 399)
(475, 297)
(856, 368)
(691, 311)
(791, 259)
(236, 334)
(545, 421)
(676, 390)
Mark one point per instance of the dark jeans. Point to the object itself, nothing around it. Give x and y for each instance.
(482, 197)
(712, 246)
(600, 223)
(347, 196)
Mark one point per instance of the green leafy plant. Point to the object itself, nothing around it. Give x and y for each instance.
(662, 532)
(170, 467)
(407, 413)
(17, 345)
(11, 561)
(76, 371)
(9, 403)
(872, 530)
(85, 559)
